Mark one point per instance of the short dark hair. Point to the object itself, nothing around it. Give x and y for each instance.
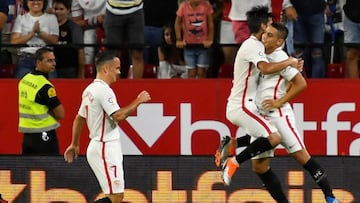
(66, 3)
(282, 30)
(256, 16)
(26, 7)
(40, 52)
(103, 57)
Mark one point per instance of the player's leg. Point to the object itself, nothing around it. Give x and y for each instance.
(317, 173)
(257, 147)
(271, 182)
(293, 143)
(257, 126)
(108, 168)
(266, 138)
(228, 145)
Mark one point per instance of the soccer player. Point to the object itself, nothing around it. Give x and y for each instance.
(241, 109)
(100, 111)
(274, 93)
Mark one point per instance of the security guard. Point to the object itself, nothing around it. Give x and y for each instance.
(39, 107)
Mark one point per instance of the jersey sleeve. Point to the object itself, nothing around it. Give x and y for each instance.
(82, 108)
(109, 102)
(289, 72)
(256, 52)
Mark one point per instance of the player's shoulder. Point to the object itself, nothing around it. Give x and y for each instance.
(252, 43)
(277, 55)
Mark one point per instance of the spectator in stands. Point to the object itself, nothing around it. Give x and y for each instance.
(124, 23)
(309, 31)
(15, 9)
(227, 36)
(90, 16)
(4, 11)
(157, 14)
(36, 29)
(352, 37)
(69, 60)
(215, 50)
(171, 60)
(194, 28)
(238, 17)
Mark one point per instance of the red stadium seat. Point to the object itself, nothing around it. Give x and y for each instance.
(336, 70)
(150, 71)
(226, 71)
(7, 70)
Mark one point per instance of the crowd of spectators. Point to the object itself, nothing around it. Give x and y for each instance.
(167, 39)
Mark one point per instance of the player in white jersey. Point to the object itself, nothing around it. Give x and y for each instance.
(241, 109)
(273, 95)
(100, 111)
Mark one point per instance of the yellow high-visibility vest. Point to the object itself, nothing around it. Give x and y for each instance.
(34, 117)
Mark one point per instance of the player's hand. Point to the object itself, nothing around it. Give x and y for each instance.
(296, 63)
(71, 153)
(144, 96)
(300, 66)
(269, 104)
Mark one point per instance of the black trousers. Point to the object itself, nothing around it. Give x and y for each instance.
(44, 143)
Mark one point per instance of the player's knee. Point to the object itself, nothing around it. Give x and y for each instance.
(274, 139)
(259, 169)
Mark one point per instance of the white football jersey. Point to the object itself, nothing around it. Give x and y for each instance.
(246, 73)
(274, 86)
(98, 104)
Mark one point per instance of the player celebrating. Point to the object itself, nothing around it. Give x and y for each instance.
(273, 94)
(272, 98)
(100, 111)
(241, 108)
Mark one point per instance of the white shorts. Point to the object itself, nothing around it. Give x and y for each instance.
(106, 161)
(227, 35)
(290, 137)
(250, 120)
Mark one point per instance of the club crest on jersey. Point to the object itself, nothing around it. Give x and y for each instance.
(110, 100)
